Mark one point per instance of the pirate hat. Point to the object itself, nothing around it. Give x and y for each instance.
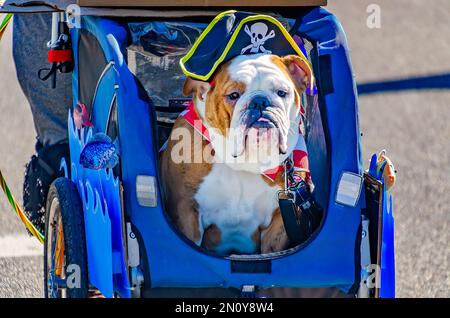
(234, 33)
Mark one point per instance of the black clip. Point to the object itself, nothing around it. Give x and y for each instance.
(301, 214)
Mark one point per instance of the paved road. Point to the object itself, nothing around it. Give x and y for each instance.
(20, 263)
(413, 41)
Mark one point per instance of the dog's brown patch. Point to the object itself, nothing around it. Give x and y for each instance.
(212, 237)
(181, 181)
(195, 88)
(274, 238)
(218, 110)
(297, 69)
(287, 65)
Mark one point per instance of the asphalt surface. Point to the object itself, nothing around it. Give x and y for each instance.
(405, 116)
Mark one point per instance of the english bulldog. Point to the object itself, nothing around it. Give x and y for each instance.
(218, 195)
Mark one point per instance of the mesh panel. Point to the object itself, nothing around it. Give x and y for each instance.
(154, 56)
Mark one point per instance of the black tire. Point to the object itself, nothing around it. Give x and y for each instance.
(64, 208)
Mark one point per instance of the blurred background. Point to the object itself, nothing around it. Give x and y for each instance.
(402, 69)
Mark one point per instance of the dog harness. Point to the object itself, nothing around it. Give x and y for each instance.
(299, 155)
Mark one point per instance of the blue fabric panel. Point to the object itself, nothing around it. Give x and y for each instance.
(99, 189)
(387, 279)
(103, 99)
(387, 270)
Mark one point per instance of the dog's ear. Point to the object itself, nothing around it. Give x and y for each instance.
(299, 70)
(195, 88)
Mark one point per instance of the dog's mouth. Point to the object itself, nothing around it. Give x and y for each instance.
(261, 128)
(266, 121)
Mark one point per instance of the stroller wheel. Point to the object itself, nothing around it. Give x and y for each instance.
(65, 262)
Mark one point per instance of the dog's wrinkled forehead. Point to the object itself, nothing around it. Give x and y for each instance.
(258, 72)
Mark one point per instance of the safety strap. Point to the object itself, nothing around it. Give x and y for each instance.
(300, 212)
(50, 71)
(291, 221)
(56, 57)
(296, 26)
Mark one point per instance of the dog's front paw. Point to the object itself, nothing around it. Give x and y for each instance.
(278, 244)
(274, 238)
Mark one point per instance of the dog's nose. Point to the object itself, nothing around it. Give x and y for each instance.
(259, 103)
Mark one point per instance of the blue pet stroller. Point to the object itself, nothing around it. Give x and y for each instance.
(106, 228)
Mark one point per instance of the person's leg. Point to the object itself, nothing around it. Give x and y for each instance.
(31, 32)
(49, 108)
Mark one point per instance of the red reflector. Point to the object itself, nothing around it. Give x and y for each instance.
(59, 56)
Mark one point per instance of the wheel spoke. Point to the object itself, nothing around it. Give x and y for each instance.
(56, 283)
(59, 253)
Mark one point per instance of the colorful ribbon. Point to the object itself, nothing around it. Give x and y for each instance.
(5, 23)
(19, 210)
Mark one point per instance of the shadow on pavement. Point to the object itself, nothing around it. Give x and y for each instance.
(439, 81)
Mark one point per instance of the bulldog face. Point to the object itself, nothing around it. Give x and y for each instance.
(252, 110)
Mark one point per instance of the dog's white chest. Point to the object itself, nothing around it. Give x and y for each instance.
(237, 202)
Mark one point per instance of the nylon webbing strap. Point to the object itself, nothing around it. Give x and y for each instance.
(291, 221)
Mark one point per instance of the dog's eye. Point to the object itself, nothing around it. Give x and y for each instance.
(233, 96)
(281, 93)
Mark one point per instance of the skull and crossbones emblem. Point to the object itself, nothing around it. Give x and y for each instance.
(259, 34)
